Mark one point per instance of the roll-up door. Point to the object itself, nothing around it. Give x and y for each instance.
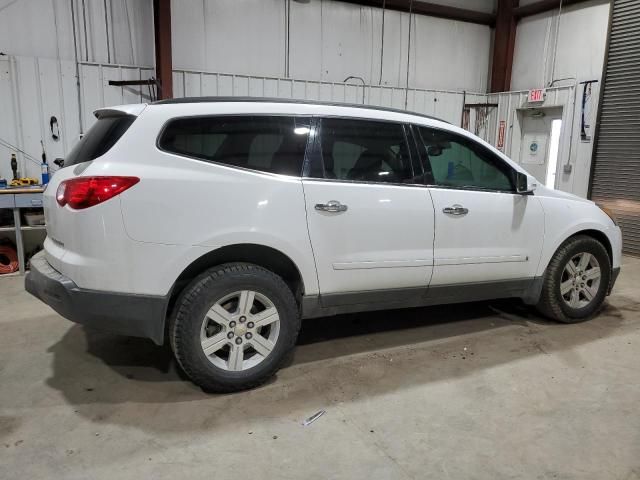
(615, 180)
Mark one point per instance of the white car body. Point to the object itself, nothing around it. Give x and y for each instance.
(393, 239)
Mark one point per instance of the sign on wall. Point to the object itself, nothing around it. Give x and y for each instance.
(501, 132)
(536, 146)
(537, 95)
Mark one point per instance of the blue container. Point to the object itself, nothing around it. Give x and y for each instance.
(45, 173)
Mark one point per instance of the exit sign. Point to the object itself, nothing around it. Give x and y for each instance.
(537, 95)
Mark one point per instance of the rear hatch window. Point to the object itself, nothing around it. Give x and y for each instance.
(99, 139)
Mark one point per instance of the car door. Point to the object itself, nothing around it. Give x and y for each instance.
(370, 221)
(485, 231)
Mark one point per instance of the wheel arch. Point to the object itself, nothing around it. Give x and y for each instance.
(594, 233)
(261, 255)
(599, 236)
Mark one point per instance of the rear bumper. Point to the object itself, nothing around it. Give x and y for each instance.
(133, 315)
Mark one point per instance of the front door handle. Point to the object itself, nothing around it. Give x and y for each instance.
(333, 206)
(455, 210)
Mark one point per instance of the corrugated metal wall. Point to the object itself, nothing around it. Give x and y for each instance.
(33, 90)
(510, 104)
(38, 89)
(440, 103)
(108, 31)
(616, 162)
(325, 34)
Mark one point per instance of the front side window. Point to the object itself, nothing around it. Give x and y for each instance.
(274, 144)
(459, 162)
(366, 151)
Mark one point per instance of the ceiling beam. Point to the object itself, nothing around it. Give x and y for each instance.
(431, 9)
(162, 36)
(542, 6)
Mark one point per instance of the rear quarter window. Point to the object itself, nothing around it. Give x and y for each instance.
(99, 139)
(274, 144)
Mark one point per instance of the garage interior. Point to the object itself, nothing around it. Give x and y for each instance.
(475, 390)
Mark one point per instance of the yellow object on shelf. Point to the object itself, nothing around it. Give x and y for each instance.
(23, 182)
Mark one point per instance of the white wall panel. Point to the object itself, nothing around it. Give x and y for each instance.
(28, 27)
(32, 90)
(346, 44)
(327, 40)
(29, 101)
(579, 56)
(450, 55)
(572, 150)
(241, 36)
(97, 93)
(44, 29)
(582, 41)
(131, 32)
(10, 125)
(579, 51)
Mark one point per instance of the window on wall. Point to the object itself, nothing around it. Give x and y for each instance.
(266, 143)
(459, 162)
(363, 150)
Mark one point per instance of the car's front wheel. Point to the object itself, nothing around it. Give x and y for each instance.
(576, 280)
(233, 327)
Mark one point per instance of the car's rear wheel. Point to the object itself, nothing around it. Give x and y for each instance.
(576, 280)
(233, 327)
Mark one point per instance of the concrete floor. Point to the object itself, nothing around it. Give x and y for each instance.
(484, 390)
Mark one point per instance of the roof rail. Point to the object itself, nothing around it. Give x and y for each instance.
(288, 100)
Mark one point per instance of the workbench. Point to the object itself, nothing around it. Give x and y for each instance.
(16, 198)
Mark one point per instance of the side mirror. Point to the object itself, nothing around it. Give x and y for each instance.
(525, 184)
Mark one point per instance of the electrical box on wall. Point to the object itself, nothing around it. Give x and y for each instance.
(537, 95)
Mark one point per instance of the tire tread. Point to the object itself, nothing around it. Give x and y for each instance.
(190, 296)
(549, 305)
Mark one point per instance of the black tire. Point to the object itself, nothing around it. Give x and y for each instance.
(551, 303)
(191, 309)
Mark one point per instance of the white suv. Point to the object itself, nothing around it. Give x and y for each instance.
(218, 223)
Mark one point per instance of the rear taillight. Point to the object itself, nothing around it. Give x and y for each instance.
(85, 192)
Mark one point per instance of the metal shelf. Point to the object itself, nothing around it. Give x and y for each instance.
(25, 228)
(15, 200)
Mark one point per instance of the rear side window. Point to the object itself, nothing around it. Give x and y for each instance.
(99, 139)
(274, 144)
(366, 151)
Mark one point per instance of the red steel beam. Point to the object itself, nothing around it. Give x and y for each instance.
(162, 31)
(431, 9)
(503, 46)
(541, 7)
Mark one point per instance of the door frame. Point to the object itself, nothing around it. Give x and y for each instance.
(564, 148)
(313, 166)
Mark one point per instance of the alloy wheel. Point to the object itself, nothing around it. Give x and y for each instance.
(580, 280)
(240, 330)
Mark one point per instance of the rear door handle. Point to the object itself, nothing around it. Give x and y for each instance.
(455, 210)
(333, 206)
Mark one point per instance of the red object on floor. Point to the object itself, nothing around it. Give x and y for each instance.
(7, 252)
